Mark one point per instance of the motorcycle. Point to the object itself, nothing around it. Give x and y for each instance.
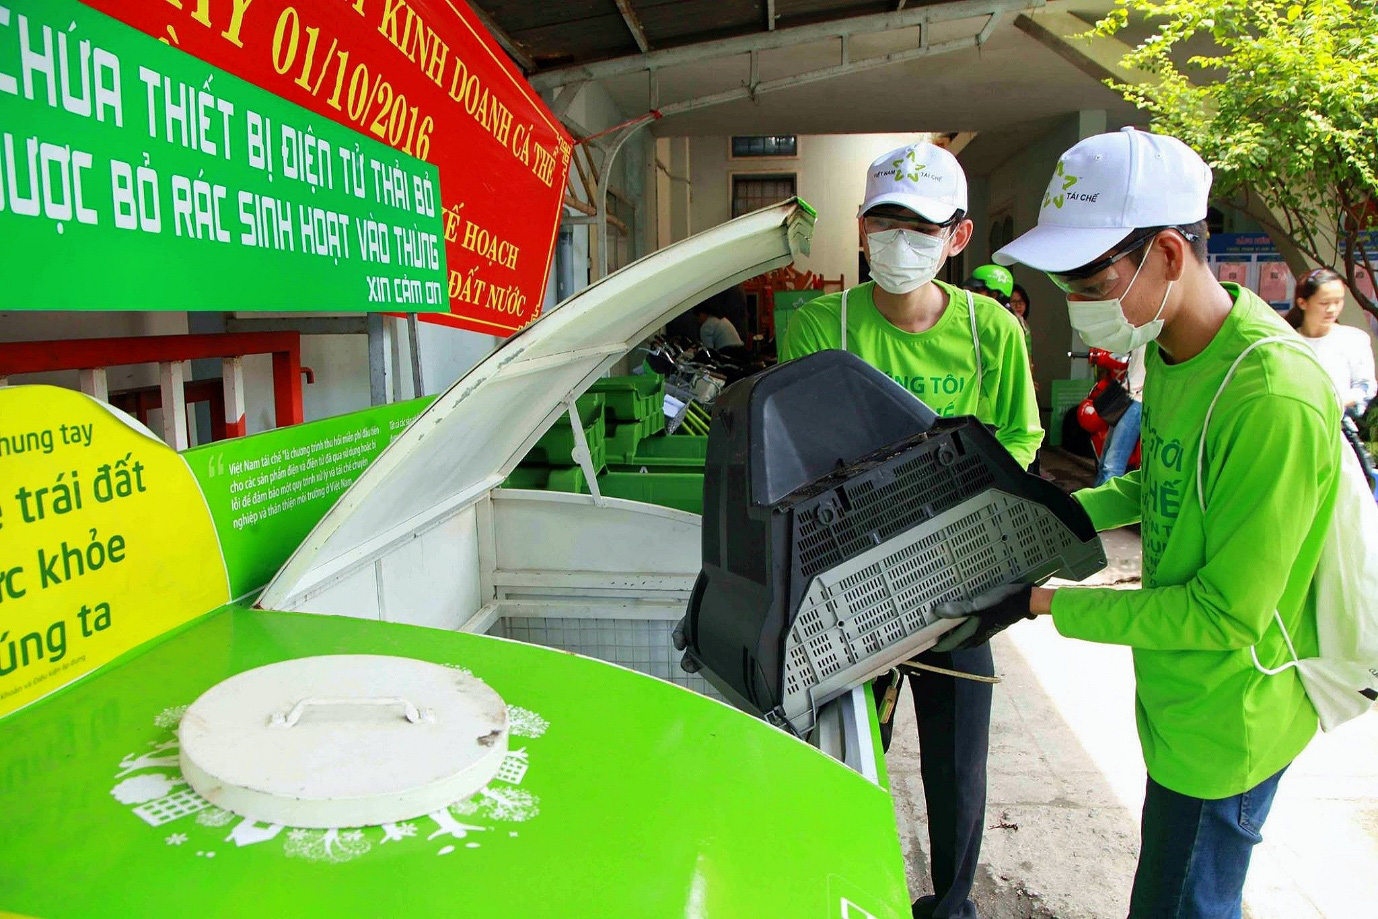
(1094, 416)
(694, 377)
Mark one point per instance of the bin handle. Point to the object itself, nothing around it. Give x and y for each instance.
(410, 712)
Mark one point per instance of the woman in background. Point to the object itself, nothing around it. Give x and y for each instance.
(1344, 351)
(1019, 305)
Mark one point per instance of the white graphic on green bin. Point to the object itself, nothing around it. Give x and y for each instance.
(150, 783)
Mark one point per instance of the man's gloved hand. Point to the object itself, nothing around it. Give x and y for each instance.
(986, 614)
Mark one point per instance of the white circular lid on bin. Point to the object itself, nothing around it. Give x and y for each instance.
(343, 740)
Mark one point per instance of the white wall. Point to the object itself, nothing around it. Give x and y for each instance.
(831, 170)
(1018, 185)
(340, 366)
(594, 110)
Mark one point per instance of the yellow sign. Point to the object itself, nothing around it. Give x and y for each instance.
(105, 540)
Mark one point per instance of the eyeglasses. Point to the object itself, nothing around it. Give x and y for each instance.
(1096, 280)
(881, 223)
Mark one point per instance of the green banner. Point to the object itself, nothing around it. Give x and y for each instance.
(267, 491)
(136, 177)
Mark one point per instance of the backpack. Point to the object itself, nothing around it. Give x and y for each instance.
(1342, 681)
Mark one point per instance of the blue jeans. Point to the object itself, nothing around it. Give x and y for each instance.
(953, 718)
(1195, 853)
(1119, 446)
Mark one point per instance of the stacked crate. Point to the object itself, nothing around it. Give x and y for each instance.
(633, 456)
(551, 463)
(635, 411)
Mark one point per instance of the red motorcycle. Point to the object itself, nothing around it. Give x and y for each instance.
(1102, 407)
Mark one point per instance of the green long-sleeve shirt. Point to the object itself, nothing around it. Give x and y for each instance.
(1210, 723)
(938, 365)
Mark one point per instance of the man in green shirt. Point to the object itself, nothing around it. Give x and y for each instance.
(1233, 512)
(962, 355)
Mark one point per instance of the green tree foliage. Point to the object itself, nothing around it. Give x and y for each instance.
(1283, 104)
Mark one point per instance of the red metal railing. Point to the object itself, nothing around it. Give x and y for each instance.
(91, 356)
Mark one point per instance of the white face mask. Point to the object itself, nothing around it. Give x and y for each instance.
(905, 260)
(1102, 323)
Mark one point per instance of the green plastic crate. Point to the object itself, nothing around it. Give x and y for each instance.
(1065, 394)
(536, 477)
(787, 303)
(692, 449)
(632, 398)
(622, 441)
(666, 454)
(681, 490)
(571, 479)
(625, 438)
(589, 406)
(556, 446)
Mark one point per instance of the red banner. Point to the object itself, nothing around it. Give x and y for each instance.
(425, 77)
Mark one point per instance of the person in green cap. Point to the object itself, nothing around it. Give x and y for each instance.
(1239, 480)
(995, 281)
(961, 354)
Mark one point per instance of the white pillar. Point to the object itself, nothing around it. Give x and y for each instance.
(172, 378)
(232, 372)
(93, 383)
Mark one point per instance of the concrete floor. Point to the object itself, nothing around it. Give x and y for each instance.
(1066, 787)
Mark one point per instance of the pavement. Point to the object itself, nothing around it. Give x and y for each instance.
(1067, 782)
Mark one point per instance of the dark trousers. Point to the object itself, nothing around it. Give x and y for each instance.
(954, 736)
(1195, 853)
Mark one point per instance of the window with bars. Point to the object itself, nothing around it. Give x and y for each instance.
(753, 192)
(765, 145)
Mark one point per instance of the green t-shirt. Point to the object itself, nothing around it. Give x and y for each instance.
(1212, 725)
(939, 365)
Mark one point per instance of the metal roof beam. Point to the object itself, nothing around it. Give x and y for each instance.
(513, 50)
(1098, 58)
(578, 130)
(633, 22)
(779, 38)
(562, 102)
(829, 73)
(959, 142)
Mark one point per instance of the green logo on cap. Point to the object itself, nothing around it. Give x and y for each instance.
(1067, 182)
(917, 171)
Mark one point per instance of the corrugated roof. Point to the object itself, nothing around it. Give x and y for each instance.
(568, 32)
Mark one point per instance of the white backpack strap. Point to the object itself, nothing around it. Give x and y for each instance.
(1200, 476)
(975, 342)
(844, 320)
(1291, 649)
(1229, 374)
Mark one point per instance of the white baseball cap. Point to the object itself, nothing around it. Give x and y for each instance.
(1106, 187)
(926, 179)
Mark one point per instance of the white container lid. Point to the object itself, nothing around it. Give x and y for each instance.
(343, 740)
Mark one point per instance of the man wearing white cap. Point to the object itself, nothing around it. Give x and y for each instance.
(962, 355)
(1241, 465)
